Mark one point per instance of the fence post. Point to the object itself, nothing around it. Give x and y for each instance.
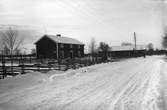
(59, 64)
(39, 64)
(67, 64)
(3, 67)
(87, 61)
(20, 58)
(11, 58)
(22, 65)
(30, 59)
(73, 63)
(90, 61)
(84, 61)
(50, 66)
(80, 62)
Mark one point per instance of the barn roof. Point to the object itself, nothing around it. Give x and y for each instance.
(61, 39)
(127, 48)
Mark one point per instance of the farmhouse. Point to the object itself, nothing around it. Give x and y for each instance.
(59, 47)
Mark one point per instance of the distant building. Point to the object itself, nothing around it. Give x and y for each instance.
(128, 48)
(127, 51)
(51, 46)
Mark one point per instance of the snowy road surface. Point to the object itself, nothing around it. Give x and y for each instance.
(133, 84)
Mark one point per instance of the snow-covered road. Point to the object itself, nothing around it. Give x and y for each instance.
(133, 84)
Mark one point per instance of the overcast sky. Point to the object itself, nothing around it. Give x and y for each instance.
(111, 21)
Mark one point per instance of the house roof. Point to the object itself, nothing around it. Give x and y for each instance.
(62, 39)
(125, 48)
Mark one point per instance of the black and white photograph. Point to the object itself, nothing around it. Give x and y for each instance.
(83, 54)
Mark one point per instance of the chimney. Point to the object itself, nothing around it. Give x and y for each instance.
(58, 35)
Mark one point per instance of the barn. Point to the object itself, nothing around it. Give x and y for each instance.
(58, 47)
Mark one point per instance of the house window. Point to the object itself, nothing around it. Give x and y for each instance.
(62, 45)
(79, 54)
(71, 45)
(79, 46)
(62, 54)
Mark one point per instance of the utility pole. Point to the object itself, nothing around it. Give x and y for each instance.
(135, 40)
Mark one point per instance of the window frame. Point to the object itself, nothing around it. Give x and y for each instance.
(79, 46)
(71, 45)
(79, 53)
(62, 54)
(61, 45)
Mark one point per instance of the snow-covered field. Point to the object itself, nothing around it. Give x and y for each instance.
(133, 84)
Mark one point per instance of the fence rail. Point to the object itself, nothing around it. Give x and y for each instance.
(43, 65)
(21, 64)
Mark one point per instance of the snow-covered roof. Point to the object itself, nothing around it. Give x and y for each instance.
(62, 39)
(129, 47)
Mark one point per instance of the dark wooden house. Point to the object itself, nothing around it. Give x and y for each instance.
(51, 46)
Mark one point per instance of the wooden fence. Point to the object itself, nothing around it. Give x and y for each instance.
(21, 64)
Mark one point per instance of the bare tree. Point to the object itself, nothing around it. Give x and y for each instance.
(92, 46)
(11, 41)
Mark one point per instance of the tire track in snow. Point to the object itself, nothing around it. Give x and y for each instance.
(93, 91)
(162, 100)
(153, 92)
(131, 97)
(109, 98)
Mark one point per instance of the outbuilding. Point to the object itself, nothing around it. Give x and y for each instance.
(127, 51)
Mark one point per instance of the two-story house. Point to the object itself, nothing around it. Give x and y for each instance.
(51, 46)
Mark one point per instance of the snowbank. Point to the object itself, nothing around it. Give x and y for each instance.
(22, 81)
